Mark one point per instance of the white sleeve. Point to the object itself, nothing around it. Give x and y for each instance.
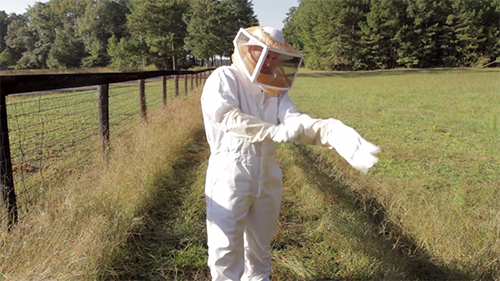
(314, 130)
(220, 103)
(219, 94)
(331, 133)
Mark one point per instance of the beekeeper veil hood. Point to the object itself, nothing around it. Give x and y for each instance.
(266, 58)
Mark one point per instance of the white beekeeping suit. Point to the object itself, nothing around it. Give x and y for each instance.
(246, 110)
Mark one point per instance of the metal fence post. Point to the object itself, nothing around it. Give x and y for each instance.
(103, 103)
(6, 177)
(142, 99)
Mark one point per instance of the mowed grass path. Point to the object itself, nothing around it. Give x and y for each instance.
(408, 219)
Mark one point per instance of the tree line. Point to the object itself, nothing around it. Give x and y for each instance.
(384, 34)
(169, 34)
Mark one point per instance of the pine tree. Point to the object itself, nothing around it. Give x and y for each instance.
(236, 14)
(464, 33)
(203, 20)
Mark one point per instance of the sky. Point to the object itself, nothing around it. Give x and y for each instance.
(17, 6)
(269, 12)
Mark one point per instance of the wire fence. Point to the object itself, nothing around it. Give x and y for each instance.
(55, 133)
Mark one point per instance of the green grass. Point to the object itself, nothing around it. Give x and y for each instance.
(437, 179)
(427, 211)
(339, 224)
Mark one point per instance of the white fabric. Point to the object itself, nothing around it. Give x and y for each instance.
(262, 54)
(253, 129)
(274, 33)
(244, 183)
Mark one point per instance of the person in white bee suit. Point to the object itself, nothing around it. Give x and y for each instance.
(246, 111)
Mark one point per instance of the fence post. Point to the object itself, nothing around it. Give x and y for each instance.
(191, 81)
(176, 79)
(142, 99)
(164, 84)
(185, 85)
(196, 79)
(103, 102)
(6, 177)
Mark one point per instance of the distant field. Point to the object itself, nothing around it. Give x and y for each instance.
(438, 178)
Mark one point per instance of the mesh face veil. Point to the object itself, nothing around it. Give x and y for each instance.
(265, 57)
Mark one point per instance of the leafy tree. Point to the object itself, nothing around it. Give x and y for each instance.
(465, 33)
(7, 58)
(212, 25)
(68, 11)
(37, 35)
(290, 29)
(123, 52)
(237, 14)
(159, 24)
(7, 55)
(101, 20)
(4, 23)
(16, 40)
(66, 52)
(204, 20)
(489, 51)
(383, 23)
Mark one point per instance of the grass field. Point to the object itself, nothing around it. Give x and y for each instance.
(438, 177)
(427, 211)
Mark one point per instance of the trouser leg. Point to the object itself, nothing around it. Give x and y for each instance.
(228, 203)
(225, 251)
(261, 224)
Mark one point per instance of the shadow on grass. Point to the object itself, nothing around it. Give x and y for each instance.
(392, 72)
(164, 246)
(397, 248)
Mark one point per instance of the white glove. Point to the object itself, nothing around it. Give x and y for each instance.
(352, 147)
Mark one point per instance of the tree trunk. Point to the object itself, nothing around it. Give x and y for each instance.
(174, 62)
(166, 64)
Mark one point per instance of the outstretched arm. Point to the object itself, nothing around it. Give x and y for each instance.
(331, 133)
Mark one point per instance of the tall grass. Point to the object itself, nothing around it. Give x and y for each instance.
(53, 133)
(427, 211)
(83, 225)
